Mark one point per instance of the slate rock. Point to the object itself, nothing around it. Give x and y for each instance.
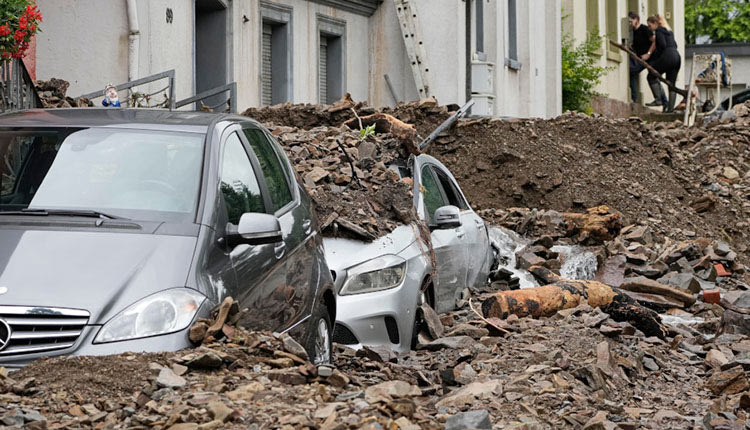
(478, 419)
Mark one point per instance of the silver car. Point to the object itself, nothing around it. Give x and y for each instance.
(380, 285)
(119, 227)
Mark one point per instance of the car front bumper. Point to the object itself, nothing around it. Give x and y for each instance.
(383, 317)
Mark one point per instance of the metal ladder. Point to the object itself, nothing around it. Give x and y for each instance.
(407, 17)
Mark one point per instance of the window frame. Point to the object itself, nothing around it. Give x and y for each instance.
(443, 176)
(260, 179)
(329, 28)
(276, 15)
(286, 168)
(511, 59)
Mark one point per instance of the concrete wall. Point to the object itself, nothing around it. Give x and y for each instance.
(534, 90)
(615, 84)
(86, 43)
(246, 50)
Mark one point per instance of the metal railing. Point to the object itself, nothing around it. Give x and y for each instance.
(17, 90)
(232, 101)
(134, 98)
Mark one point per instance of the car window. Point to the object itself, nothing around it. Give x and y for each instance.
(451, 192)
(138, 174)
(276, 178)
(433, 199)
(239, 186)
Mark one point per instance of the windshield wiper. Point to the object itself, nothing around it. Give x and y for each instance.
(63, 212)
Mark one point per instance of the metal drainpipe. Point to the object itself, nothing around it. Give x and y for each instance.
(134, 36)
(468, 50)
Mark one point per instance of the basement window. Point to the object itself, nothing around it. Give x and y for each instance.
(276, 54)
(331, 59)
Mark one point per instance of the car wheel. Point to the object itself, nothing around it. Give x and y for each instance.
(425, 296)
(318, 345)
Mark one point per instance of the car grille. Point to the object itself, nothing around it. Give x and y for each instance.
(39, 329)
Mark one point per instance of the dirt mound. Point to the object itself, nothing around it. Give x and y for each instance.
(658, 172)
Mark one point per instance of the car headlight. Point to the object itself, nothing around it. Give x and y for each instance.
(378, 274)
(161, 313)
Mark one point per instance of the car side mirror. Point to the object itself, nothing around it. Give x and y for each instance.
(256, 229)
(447, 217)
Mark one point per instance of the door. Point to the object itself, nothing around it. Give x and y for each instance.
(298, 248)
(477, 242)
(210, 50)
(449, 245)
(258, 268)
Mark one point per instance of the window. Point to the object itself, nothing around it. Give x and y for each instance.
(332, 38)
(612, 17)
(479, 28)
(138, 174)
(274, 173)
(451, 192)
(592, 20)
(239, 186)
(276, 54)
(433, 199)
(512, 60)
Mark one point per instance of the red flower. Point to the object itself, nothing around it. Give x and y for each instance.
(6, 55)
(20, 35)
(4, 30)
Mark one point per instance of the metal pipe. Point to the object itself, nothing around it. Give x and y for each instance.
(134, 35)
(468, 49)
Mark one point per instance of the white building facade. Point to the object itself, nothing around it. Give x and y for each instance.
(311, 51)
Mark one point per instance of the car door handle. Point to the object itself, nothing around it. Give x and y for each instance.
(306, 226)
(479, 223)
(279, 249)
(459, 233)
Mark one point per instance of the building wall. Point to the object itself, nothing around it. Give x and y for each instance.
(615, 84)
(84, 42)
(533, 90)
(246, 49)
(98, 55)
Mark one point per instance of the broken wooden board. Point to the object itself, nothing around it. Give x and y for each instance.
(651, 287)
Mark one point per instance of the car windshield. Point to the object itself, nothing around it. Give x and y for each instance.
(137, 174)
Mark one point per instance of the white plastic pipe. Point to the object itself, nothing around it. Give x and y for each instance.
(134, 36)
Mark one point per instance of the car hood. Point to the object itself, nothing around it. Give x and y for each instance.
(101, 272)
(342, 254)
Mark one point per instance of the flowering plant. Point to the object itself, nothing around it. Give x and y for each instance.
(19, 22)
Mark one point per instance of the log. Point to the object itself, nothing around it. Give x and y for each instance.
(650, 69)
(655, 301)
(598, 224)
(649, 286)
(559, 294)
(384, 123)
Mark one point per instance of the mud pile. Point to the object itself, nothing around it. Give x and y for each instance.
(53, 94)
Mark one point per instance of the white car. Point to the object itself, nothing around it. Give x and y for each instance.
(380, 285)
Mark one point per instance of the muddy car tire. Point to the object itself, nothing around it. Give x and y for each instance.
(318, 344)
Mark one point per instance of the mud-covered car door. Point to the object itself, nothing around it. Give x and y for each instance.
(449, 244)
(477, 240)
(298, 248)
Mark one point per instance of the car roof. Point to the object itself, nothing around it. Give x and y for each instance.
(136, 118)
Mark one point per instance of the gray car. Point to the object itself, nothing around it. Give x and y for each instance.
(119, 227)
(380, 285)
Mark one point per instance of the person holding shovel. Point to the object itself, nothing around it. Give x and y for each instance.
(665, 58)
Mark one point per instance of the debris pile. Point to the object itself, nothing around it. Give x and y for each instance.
(355, 193)
(53, 94)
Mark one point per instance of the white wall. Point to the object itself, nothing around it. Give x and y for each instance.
(246, 48)
(84, 42)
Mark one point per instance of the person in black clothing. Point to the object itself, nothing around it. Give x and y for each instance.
(641, 44)
(665, 58)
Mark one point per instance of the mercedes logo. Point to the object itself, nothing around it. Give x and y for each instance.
(4, 334)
